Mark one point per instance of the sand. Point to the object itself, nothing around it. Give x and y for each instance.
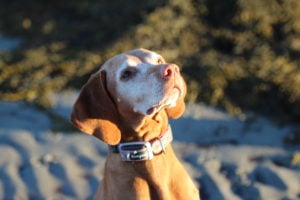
(228, 157)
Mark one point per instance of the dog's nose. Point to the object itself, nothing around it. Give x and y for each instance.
(169, 70)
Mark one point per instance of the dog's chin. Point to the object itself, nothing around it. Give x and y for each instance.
(168, 101)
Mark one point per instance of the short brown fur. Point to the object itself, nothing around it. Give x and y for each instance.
(97, 112)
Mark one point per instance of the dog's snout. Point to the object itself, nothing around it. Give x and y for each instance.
(169, 70)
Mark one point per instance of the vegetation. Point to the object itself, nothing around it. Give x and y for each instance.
(237, 54)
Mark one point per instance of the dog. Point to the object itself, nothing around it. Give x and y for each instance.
(126, 104)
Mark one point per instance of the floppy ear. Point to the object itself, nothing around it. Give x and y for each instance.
(95, 113)
(176, 111)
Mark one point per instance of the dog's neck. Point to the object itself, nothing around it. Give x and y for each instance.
(142, 151)
(144, 128)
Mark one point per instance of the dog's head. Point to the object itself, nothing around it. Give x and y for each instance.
(135, 84)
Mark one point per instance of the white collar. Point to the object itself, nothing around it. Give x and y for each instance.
(141, 151)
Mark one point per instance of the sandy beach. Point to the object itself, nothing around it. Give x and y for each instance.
(228, 157)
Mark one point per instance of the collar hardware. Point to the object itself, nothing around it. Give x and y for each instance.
(141, 151)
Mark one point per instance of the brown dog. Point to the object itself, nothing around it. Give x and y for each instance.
(126, 104)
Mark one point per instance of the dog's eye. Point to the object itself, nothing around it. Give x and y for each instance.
(128, 74)
(160, 61)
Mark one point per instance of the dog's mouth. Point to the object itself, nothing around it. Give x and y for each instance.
(152, 110)
(169, 100)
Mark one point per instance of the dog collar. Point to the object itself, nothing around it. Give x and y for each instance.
(141, 151)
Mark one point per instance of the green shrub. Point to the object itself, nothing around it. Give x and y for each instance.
(236, 54)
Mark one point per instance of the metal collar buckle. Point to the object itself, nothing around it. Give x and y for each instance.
(141, 151)
(136, 151)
